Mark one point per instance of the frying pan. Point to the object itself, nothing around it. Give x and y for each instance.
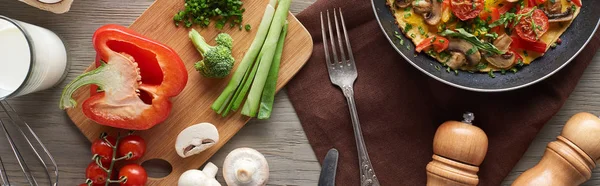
(573, 40)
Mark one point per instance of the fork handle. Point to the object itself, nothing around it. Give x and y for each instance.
(367, 174)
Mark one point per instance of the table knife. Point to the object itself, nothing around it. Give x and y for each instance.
(327, 177)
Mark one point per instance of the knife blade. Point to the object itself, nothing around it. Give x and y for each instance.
(327, 177)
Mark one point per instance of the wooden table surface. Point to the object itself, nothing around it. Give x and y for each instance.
(281, 138)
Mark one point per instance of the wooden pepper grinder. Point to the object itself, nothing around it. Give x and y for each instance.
(459, 148)
(570, 159)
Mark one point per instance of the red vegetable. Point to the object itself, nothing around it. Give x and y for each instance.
(537, 2)
(134, 144)
(439, 44)
(96, 174)
(136, 175)
(466, 9)
(137, 76)
(577, 2)
(531, 28)
(531, 3)
(506, 7)
(518, 43)
(101, 148)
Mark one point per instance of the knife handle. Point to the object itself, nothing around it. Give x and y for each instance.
(459, 148)
(571, 158)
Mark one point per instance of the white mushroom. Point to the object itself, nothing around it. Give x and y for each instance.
(245, 167)
(195, 139)
(49, 1)
(195, 177)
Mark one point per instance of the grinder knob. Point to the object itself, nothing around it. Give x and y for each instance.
(571, 158)
(459, 148)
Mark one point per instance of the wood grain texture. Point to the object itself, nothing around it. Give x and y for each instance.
(192, 106)
(281, 139)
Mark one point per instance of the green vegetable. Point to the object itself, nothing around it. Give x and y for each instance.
(247, 61)
(268, 49)
(485, 46)
(218, 61)
(200, 12)
(268, 95)
(248, 27)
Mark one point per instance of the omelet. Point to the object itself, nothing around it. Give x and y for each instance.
(488, 40)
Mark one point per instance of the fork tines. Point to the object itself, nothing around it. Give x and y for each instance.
(342, 40)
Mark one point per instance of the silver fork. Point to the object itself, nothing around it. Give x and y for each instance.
(343, 74)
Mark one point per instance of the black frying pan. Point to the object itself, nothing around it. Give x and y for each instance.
(573, 41)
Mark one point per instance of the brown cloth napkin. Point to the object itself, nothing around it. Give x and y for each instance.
(400, 108)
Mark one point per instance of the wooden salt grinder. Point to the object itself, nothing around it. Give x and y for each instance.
(571, 158)
(459, 148)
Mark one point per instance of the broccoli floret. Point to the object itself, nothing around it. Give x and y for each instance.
(224, 39)
(218, 61)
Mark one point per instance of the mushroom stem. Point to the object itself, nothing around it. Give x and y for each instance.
(210, 170)
(245, 171)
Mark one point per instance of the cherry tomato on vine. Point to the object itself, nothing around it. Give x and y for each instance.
(134, 144)
(103, 149)
(136, 175)
(96, 174)
(531, 28)
(466, 9)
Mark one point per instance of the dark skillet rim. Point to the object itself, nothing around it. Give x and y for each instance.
(479, 89)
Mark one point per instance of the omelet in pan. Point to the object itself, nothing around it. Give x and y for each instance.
(484, 35)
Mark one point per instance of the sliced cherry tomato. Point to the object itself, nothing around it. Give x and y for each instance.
(103, 149)
(136, 175)
(577, 2)
(96, 174)
(531, 28)
(134, 144)
(518, 43)
(505, 7)
(439, 44)
(466, 9)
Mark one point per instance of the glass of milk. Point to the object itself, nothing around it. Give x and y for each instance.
(32, 58)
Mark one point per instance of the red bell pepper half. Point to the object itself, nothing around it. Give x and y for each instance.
(136, 77)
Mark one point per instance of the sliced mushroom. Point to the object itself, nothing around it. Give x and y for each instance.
(456, 60)
(560, 17)
(505, 60)
(403, 3)
(245, 167)
(503, 43)
(194, 177)
(471, 53)
(553, 7)
(422, 6)
(502, 61)
(195, 139)
(430, 9)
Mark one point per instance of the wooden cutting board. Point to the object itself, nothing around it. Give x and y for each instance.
(192, 106)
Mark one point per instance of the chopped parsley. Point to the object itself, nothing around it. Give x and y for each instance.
(421, 30)
(407, 28)
(491, 74)
(471, 51)
(407, 15)
(481, 66)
